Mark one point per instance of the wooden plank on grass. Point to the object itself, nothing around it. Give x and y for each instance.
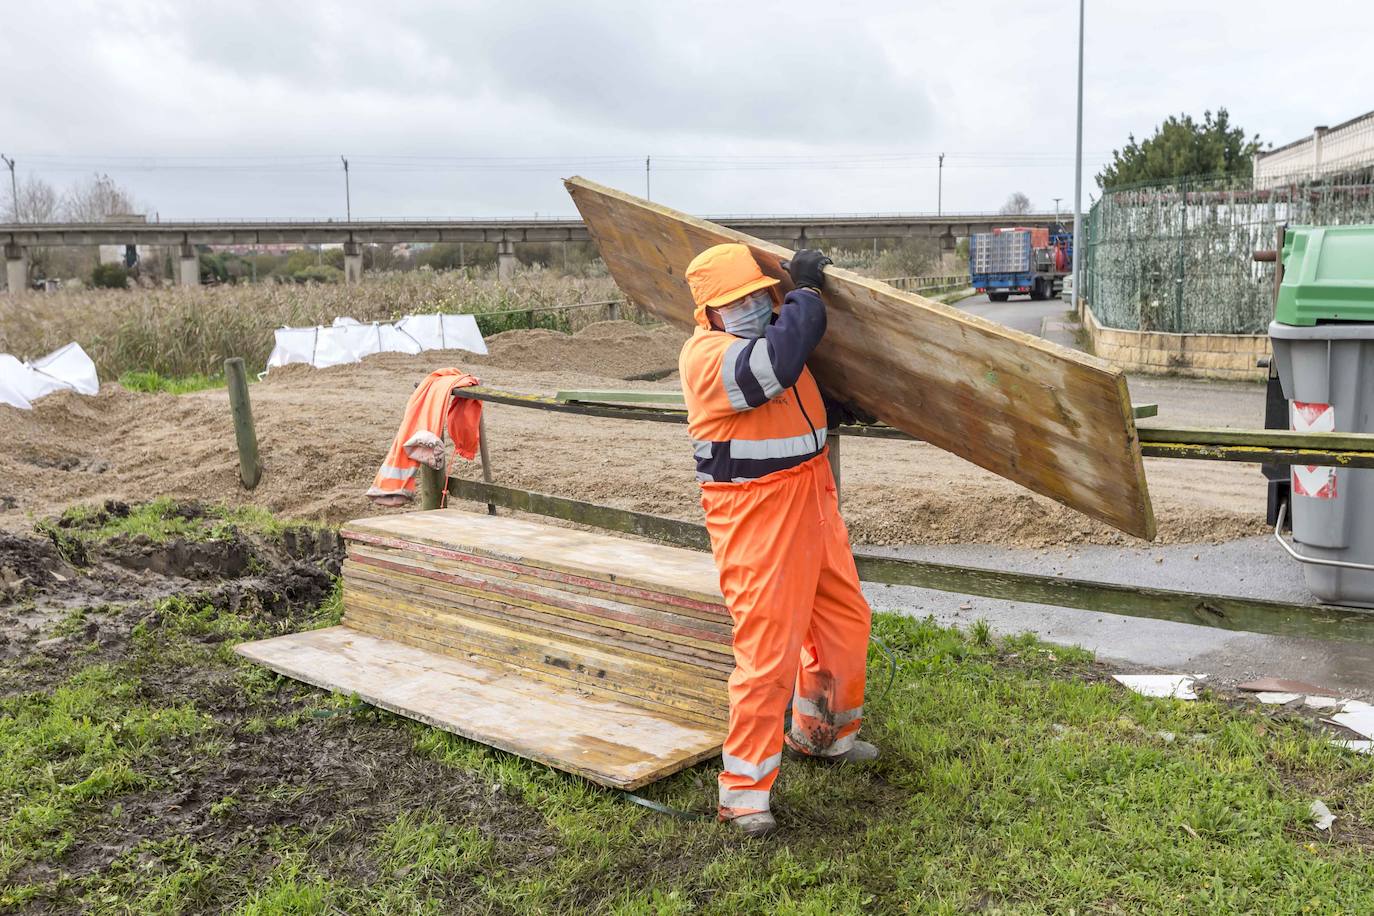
(609, 742)
(1052, 419)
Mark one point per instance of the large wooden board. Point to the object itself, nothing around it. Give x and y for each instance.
(608, 741)
(1049, 418)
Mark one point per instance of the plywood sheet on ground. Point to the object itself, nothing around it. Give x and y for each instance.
(608, 741)
(1051, 419)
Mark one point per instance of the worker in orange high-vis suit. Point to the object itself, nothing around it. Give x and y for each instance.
(758, 426)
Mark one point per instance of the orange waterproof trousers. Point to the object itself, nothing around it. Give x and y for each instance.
(800, 624)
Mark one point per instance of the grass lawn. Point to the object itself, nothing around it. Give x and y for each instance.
(144, 768)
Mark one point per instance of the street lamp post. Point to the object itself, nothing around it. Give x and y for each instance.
(348, 193)
(1056, 210)
(1078, 177)
(14, 185)
(940, 188)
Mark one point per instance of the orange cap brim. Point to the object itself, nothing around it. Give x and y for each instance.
(741, 292)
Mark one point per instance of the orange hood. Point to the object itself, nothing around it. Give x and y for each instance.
(721, 274)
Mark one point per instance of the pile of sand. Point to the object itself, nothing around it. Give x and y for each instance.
(612, 349)
(324, 432)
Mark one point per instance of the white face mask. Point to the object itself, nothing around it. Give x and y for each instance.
(749, 316)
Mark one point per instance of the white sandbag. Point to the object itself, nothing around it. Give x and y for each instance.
(70, 365)
(394, 340)
(347, 341)
(64, 369)
(344, 344)
(14, 377)
(292, 345)
(444, 332)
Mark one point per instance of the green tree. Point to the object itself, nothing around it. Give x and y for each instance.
(110, 276)
(1181, 146)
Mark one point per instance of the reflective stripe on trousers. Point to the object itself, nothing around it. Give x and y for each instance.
(800, 622)
(820, 731)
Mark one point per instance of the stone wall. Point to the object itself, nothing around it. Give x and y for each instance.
(1219, 356)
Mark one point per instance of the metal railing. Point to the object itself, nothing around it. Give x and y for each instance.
(928, 284)
(1227, 612)
(160, 221)
(615, 309)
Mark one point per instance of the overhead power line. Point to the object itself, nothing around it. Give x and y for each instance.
(265, 164)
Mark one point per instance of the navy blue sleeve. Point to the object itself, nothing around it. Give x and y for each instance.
(756, 371)
(799, 327)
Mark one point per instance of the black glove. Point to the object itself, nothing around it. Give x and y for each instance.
(845, 413)
(807, 268)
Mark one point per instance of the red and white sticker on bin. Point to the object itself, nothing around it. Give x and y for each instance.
(1313, 480)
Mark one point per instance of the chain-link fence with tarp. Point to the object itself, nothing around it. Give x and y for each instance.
(1176, 256)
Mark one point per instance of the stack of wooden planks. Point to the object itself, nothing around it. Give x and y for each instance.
(599, 655)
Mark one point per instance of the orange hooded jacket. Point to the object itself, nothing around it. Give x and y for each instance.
(430, 409)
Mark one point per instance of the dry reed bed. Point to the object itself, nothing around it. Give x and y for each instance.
(181, 332)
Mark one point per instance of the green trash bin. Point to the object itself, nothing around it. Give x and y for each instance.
(1323, 338)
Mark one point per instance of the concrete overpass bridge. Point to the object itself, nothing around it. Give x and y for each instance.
(792, 231)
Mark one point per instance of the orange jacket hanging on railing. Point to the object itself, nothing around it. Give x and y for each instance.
(431, 409)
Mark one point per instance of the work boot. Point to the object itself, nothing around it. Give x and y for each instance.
(859, 752)
(755, 825)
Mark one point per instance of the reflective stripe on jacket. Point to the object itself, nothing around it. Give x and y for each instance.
(752, 406)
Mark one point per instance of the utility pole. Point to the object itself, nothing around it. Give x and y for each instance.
(646, 179)
(940, 188)
(348, 194)
(1078, 177)
(14, 185)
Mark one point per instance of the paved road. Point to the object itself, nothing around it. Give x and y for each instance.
(1254, 567)
(1019, 312)
(1182, 402)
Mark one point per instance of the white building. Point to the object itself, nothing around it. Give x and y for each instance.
(1329, 150)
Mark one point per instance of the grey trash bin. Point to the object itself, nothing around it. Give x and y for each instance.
(1323, 337)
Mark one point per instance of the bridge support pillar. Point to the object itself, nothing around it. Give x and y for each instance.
(189, 274)
(505, 260)
(800, 242)
(16, 269)
(353, 262)
(947, 242)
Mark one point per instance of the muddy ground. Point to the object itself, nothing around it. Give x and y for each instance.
(270, 796)
(324, 432)
(269, 754)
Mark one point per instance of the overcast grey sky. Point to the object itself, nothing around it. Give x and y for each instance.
(241, 109)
